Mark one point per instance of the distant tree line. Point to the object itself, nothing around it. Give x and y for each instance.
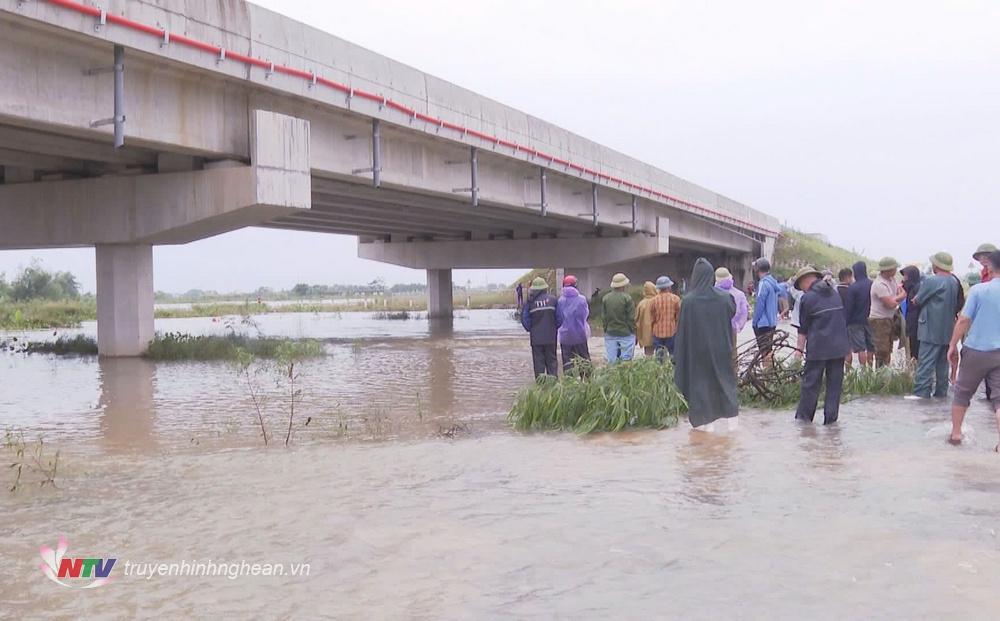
(37, 283)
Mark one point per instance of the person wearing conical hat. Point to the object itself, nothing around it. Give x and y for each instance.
(540, 319)
(618, 313)
(938, 302)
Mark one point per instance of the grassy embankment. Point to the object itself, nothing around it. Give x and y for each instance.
(174, 346)
(40, 315)
(641, 394)
(795, 250)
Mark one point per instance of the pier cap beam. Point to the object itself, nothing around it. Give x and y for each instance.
(513, 253)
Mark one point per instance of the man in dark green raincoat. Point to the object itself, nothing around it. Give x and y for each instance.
(704, 349)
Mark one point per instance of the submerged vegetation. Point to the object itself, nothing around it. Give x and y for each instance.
(30, 463)
(639, 393)
(78, 345)
(394, 315)
(858, 382)
(642, 393)
(176, 346)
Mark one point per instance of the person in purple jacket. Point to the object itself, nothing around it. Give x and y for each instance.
(573, 311)
(724, 281)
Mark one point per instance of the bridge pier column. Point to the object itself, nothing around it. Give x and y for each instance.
(124, 299)
(440, 302)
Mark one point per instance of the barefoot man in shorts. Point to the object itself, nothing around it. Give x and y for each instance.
(979, 324)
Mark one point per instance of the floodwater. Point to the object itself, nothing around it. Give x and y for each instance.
(409, 497)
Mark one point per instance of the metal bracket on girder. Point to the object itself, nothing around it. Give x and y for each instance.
(593, 204)
(118, 120)
(376, 168)
(633, 221)
(473, 188)
(543, 205)
(102, 19)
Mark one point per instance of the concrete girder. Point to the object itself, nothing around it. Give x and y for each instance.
(43, 143)
(378, 224)
(356, 230)
(515, 253)
(384, 196)
(410, 216)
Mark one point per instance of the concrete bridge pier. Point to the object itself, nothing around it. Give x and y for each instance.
(440, 299)
(124, 299)
(124, 216)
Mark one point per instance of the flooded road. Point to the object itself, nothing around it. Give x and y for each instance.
(398, 518)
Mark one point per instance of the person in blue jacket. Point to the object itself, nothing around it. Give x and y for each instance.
(539, 318)
(857, 308)
(765, 309)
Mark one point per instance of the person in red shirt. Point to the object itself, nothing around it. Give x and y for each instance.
(981, 253)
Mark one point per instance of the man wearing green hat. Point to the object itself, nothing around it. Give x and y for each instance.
(823, 332)
(938, 302)
(539, 318)
(886, 295)
(981, 255)
(618, 310)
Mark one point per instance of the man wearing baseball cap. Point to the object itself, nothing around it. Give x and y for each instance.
(573, 311)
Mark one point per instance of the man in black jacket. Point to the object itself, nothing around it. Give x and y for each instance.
(824, 326)
(539, 318)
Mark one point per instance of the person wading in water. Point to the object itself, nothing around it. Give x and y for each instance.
(540, 320)
(572, 311)
(704, 349)
(824, 328)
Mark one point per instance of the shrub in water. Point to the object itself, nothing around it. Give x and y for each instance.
(640, 393)
(176, 346)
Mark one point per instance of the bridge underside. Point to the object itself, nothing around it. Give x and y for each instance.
(60, 189)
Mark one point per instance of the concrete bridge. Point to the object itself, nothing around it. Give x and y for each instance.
(144, 123)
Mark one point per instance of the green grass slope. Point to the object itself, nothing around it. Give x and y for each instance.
(795, 250)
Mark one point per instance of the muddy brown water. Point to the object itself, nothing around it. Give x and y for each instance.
(409, 497)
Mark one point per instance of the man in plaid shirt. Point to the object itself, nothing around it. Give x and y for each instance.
(665, 309)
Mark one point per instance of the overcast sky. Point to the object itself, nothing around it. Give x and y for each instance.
(873, 122)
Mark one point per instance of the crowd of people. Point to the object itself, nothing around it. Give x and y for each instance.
(953, 340)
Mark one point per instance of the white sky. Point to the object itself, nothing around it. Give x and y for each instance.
(873, 122)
